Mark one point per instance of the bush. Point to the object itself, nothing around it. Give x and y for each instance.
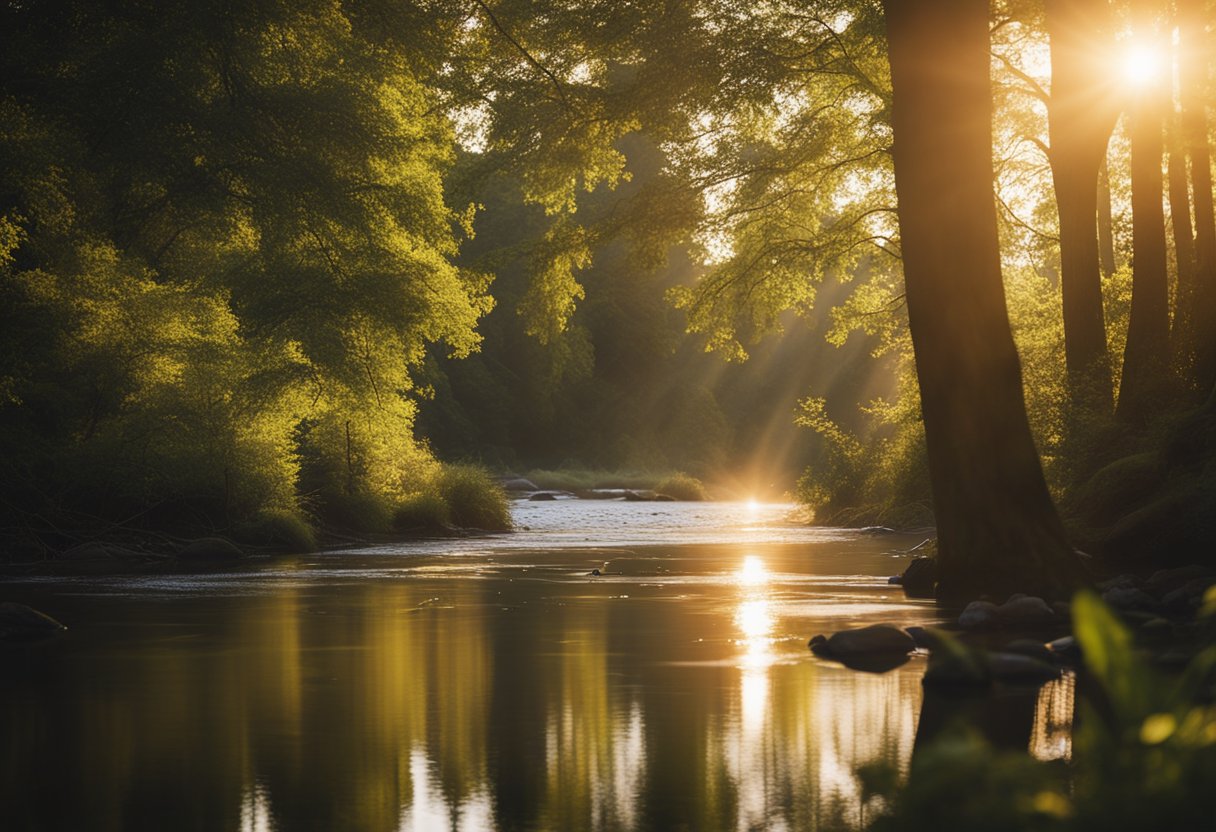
(357, 513)
(281, 529)
(683, 487)
(473, 499)
(424, 511)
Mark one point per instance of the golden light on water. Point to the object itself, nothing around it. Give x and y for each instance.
(753, 506)
(754, 616)
(753, 572)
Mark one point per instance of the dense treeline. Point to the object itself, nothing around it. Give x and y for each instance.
(225, 247)
(242, 247)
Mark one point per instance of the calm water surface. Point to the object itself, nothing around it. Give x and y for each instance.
(488, 684)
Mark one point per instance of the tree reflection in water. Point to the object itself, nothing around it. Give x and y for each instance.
(471, 695)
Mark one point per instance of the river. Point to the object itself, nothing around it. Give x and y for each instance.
(474, 684)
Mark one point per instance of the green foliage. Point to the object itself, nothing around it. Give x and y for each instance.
(1144, 750)
(283, 530)
(425, 511)
(473, 498)
(682, 487)
(214, 297)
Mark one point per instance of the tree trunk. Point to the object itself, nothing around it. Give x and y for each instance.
(998, 531)
(1145, 357)
(1181, 335)
(1193, 76)
(1081, 115)
(1106, 235)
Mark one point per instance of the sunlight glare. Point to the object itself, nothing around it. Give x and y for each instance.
(753, 506)
(755, 620)
(753, 572)
(1141, 65)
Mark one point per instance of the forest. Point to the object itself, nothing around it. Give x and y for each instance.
(302, 273)
(264, 269)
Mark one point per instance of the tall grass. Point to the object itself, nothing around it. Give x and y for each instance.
(683, 487)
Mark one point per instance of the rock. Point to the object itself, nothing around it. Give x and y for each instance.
(595, 573)
(979, 615)
(1129, 598)
(1062, 609)
(1065, 649)
(663, 498)
(1164, 581)
(542, 497)
(211, 550)
(920, 578)
(1188, 597)
(1025, 611)
(818, 645)
(1157, 629)
(1119, 582)
(21, 623)
(895, 580)
(877, 639)
(635, 497)
(924, 638)
(1029, 647)
(1016, 667)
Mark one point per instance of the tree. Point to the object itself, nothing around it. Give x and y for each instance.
(1081, 115)
(1145, 357)
(998, 530)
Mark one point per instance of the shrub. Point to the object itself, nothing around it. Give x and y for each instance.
(683, 487)
(357, 512)
(473, 498)
(281, 529)
(423, 511)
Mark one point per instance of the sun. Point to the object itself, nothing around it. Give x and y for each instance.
(1141, 65)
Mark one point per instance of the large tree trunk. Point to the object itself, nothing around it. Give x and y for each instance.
(1081, 117)
(1193, 76)
(1181, 328)
(1145, 357)
(998, 531)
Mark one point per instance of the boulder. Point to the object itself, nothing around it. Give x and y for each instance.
(1188, 597)
(924, 638)
(542, 496)
(979, 615)
(211, 550)
(877, 639)
(1016, 667)
(1119, 582)
(1029, 647)
(1164, 581)
(1065, 649)
(1025, 611)
(635, 497)
(663, 498)
(920, 578)
(1129, 598)
(21, 623)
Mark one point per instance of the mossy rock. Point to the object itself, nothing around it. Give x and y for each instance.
(1175, 529)
(1118, 489)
